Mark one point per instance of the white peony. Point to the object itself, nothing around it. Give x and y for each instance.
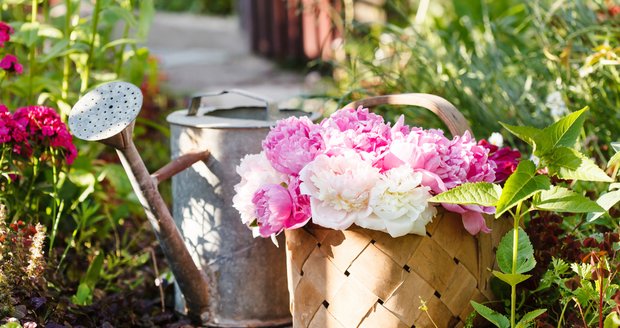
(255, 171)
(339, 188)
(399, 204)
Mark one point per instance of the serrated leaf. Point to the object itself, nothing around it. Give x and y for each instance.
(493, 317)
(529, 317)
(560, 199)
(570, 164)
(525, 253)
(511, 279)
(522, 184)
(605, 201)
(563, 133)
(528, 134)
(478, 193)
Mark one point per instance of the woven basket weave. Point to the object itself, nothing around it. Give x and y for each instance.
(366, 278)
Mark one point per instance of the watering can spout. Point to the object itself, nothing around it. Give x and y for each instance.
(107, 114)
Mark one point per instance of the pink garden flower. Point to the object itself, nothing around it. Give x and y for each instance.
(5, 33)
(359, 130)
(256, 172)
(339, 188)
(506, 160)
(292, 144)
(11, 65)
(273, 208)
(279, 208)
(14, 133)
(45, 128)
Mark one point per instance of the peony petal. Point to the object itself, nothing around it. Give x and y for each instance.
(474, 223)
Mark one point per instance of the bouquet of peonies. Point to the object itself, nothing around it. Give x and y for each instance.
(353, 168)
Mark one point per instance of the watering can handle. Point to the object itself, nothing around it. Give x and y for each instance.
(179, 164)
(271, 106)
(454, 120)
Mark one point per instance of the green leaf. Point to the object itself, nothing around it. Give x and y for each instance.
(83, 296)
(54, 51)
(119, 12)
(528, 134)
(493, 317)
(612, 320)
(605, 201)
(563, 133)
(525, 253)
(478, 193)
(614, 160)
(94, 271)
(522, 184)
(11, 325)
(511, 279)
(529, 317)
(147, 13)
(570, 164)
(27, 34)
(118, 42)
(49, 31)
(560, 199)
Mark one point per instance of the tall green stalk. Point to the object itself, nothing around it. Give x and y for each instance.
(91, 50)
(31, 55)
(64, 94)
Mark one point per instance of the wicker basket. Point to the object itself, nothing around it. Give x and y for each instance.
(366, 278)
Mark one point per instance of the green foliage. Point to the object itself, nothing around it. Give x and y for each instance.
(521, 185)
(479, 193)
(525, 253)
(217, 7)
(525, 63)
(560, 199)
(495, 318)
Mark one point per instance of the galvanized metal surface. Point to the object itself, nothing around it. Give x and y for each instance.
(247, 275)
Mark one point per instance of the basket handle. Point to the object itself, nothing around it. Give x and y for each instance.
(454, 120)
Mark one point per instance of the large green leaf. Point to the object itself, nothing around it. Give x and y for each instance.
(563, 133)
(495, 318)
(612, 320)
(522, 184)
(605, 201)
(525, 253)
(528, 134)
(478, 193)
(567, 163)
(147, 13)
(560, 199)
(529, 317)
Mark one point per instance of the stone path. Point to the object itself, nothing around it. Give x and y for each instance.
(204, 53)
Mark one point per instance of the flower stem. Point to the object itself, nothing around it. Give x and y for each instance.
(91, 49)
(515, 254)
(64, 94)
(56, 201)
(31, 55)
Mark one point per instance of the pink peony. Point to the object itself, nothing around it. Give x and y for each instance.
(273, 209)
(339, 188)
(301, 211)
(11, 65)
(45, 128)
(358, 130)
(473, 221)
(5, 33)
(256, 172)
(292, 144)
(506, 159)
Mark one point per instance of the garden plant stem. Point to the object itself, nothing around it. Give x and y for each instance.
(65, 67)
(515, 253)
(31, 55)
(91, 49)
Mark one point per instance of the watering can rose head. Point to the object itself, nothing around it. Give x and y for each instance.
(354, 168)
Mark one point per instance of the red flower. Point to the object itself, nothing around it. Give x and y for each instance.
(506, 159)
(44, 126)
(10, 64)
(5, 33)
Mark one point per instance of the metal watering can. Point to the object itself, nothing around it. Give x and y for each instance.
(226, 278)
